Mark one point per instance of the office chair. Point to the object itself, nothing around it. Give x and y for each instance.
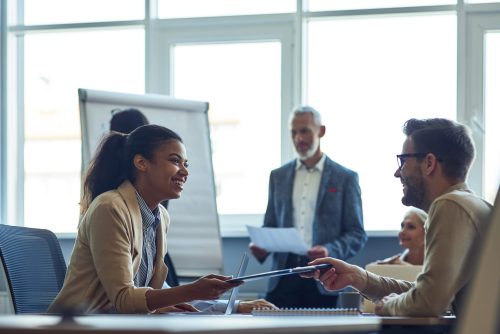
(483, 302)
(171, 279)
(34, 267)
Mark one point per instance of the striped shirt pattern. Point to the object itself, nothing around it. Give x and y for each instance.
(150, 221)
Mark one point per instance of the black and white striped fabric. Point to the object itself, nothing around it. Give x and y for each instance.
(150, 221)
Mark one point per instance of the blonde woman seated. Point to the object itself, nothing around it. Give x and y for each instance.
(412, 238)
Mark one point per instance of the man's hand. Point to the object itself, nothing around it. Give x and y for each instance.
(259, 253)
(340, 275)
(317, 252)
(247, 307)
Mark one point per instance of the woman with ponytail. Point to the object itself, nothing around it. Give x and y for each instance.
(117, 261)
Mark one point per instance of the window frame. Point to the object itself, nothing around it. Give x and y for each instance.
(255, 28)
(470, 90)
(3, 111)
(480, 19)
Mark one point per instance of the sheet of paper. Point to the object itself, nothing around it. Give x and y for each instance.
(272, 239)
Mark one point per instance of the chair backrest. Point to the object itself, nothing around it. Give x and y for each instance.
(398, 271)
(34, 267)
(480, 313)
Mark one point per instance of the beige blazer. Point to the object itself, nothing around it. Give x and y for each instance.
(107, 255)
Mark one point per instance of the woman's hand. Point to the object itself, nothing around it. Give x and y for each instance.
(183, 307)
(211, 286)
(248, 306)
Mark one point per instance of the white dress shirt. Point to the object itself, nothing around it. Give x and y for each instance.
(305, 194)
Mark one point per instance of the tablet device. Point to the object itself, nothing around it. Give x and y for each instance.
(281, 272)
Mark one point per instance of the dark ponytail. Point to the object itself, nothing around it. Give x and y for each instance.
(106, 171)
(113, 161)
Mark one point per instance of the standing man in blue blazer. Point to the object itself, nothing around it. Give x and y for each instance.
(322, 199)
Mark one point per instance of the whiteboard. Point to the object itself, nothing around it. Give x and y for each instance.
(194, 241)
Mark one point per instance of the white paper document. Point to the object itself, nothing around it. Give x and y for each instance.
(286, 240)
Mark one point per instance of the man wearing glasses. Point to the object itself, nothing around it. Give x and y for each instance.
(432, 167)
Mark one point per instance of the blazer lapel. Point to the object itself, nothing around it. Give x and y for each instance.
(325, 181)
(127, 191)
(287, 183)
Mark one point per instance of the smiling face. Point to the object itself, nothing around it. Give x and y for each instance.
(412, 233)
(164, 176)
(411, 177)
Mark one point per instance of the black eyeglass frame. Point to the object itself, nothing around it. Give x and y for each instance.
(401, 158)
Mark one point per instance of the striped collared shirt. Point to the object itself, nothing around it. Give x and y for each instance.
(150, 221)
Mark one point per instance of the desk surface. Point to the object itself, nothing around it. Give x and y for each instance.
(185, 324)
(415, 321)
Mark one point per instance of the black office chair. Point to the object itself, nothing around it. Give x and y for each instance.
(172, 278)
(34, 267)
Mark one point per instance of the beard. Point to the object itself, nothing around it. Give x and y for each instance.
(310, 152)
(415, 191)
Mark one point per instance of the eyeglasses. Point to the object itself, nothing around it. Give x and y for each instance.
(403, 157)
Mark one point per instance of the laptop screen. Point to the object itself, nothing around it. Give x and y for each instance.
(234, 293)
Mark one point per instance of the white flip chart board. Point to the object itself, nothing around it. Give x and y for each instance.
(194, 241)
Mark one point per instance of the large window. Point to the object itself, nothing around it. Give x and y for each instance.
(492, 115)
(242, 81)
(366, 65)
(368, 76)
(55, 66)
(204, 8)
(64, 11)
(321, 5)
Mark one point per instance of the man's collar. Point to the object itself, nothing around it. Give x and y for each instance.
(319, 165)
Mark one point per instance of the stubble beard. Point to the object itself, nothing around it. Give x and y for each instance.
(415, 192)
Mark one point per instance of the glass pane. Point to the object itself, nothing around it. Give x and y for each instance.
(241, 81)
(52, 126)
(368, 76)
(319, 5)
(492, 115)
(75, 11)
(204, 8)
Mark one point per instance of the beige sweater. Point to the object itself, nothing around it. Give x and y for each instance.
(457, 222)
(107, 254)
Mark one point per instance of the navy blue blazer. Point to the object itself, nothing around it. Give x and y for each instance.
(338, 220)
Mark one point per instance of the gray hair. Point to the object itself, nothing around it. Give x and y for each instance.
(421, 214)
(304, 109)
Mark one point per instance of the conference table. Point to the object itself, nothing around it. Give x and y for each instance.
(413, 325)
(187, 324)
(211, 324)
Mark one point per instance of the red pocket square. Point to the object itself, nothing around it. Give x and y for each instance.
(332, 190)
